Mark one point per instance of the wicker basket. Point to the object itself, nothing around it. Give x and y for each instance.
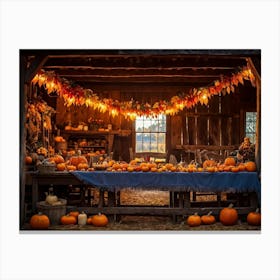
(46, 168)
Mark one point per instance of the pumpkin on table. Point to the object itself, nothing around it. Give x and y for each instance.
(194, 220)
(99, 220)
(39, 221)
(250, 166)
(254, 218)
(228, 216)
(230, 161)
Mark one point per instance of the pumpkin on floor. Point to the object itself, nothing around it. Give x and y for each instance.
(208, 219)
(194, 220)
(39, 221)
(228, 216)
(254, 218)
(99, 220)
(68, 220)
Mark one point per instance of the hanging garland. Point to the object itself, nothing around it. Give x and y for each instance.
(76, 95)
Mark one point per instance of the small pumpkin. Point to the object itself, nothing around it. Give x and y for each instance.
(89, 221)
(39, 221)
(82, 166)
(209, 163)
(254, 218)
(61, 166)
(99, 220)
(230, 161)
(208, 219)
(228, 216)
(194, 220)
(71, 167)
(68, 220)
(250, 166)
(58, 159)
(28, 160)
(74, 214)
(76, 160)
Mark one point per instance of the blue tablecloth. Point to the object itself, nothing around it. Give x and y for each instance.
(173, 181)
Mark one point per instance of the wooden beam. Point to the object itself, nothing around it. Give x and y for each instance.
(35, 66)
(252, 66)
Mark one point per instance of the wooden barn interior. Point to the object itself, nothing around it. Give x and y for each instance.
(204, 131)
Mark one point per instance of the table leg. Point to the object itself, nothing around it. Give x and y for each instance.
(253, 200)
(34, 194)
(187, 200)
(101, 198)
(219, 199)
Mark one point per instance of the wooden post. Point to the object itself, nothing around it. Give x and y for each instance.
(258, 127)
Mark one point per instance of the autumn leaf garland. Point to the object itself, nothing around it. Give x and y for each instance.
(76, 95)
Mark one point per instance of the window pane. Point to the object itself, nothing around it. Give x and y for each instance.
(250, 126)
(153, 134)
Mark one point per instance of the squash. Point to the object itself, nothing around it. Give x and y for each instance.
(82, 219)
(254, 218)
(61, 166)
(82, 166)
(99, 220)
(51, 199)
(228, 216)
(208, 219)
(39, 221)
(194, 220)
(250, 166)
(68, 220)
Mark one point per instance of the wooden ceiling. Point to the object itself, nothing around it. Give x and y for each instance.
(150, 67)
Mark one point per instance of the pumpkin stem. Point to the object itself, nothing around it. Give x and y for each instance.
(40, 213)
(230, 206)
(209, 213)
(257, 210)
(195, 214)
(99, 214)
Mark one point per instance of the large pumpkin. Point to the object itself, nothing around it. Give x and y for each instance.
(99, 220)
(76, 160)
(228, 216)
(254, 218)
(39, 221)
(250, 166)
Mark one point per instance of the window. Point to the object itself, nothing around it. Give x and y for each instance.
(150, 134)
(250, 126)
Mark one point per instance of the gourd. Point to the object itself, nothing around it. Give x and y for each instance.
(208, 219)
(76, 160)
(82, 166)
(228, 216)
(194, 220)
(39, 221)
(28, 160)
(99, 220)
(82, 219)
(68, 220)
(254, 218)
(61, 166)
(50, 198)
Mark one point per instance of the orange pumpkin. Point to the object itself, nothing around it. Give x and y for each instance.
(76, 160)
(230, 161)
(99, 220)
(194, 220)
(71, 167)
(58, 159)
(209, 163)
(228, 216)
(89, 221)
(74, 213)
(82, 166)
(241, 167)
(250, 166)
(28, 160)
(208, 219)
(68, 220)
(254, 218)
(39, 221)
(234, 169)
(61, 166)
